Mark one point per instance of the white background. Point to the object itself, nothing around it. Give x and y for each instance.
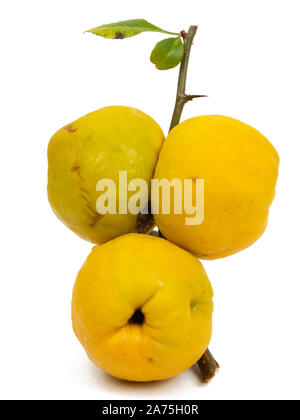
(246, 58)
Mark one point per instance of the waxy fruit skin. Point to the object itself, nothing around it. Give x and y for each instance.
(138, 273)
(239, 167)
(95, 147)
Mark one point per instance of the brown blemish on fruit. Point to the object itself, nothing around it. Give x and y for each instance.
(194, 178)
(83, 190)
(69, 128)
(91, 213)
(85, 198)
(95, 219)
(75, 168)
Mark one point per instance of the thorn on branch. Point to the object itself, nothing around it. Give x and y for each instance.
(188, 98)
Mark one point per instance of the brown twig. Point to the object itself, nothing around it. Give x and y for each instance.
(182, 98)
(208, 367)
(207, 364)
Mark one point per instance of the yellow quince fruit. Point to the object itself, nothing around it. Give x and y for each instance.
(142, 308)
(239, 167)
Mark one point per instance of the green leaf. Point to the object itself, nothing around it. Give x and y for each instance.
(126, 29)
(167, 53)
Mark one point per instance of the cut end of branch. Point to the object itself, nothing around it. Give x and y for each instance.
(208, 367)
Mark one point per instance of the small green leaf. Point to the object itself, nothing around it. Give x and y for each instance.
(167, 53)
(126, 29)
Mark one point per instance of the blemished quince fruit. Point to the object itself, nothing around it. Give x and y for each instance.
(239, 167)
(142, 308)
(95, 147)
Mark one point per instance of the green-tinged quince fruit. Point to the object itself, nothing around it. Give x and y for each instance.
(95, 147)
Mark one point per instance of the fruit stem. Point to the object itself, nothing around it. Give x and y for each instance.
(182, 98)
(207, 364)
